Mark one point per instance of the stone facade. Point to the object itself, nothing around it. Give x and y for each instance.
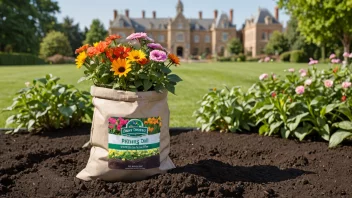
(181, 36)
(258, 30)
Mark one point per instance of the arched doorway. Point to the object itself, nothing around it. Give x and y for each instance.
(179, 51)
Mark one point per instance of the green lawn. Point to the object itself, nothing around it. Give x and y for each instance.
(198, 78)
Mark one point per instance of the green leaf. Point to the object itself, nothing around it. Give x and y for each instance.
(346, 125)
(143, 76)
(42, 80)
(227, 119)
(338, 137)
(10, 120)
(316, 100)
(67, 111)
(263, 129)
(285, 133)
(30, 124)
(174, 78)
(302, 132)
(166, 70)
(82, 79)
(138, 83)
(147, 84)
(170, 88)
(293, 125)
(346, 111)
(274, 126)
(18, 128)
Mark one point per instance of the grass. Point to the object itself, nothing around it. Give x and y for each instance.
(198, 78)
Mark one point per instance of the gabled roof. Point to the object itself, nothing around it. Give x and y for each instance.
(223, 21)
(121, 20)
(201, 24)
(142, 24)
(263, 13)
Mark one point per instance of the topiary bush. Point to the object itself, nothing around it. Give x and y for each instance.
(298, 56)
(60, 59)
(55, 43)
(20, 59)
(48, 105)
(285, 57)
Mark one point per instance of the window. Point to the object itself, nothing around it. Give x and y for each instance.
(195, 51)
(180, 37)
(179, 26)
(196, 38)
(161, 38)
(225, 36)
(196, 26)
(264, 36)
(269, 35)
(207, 39)
(207, 50)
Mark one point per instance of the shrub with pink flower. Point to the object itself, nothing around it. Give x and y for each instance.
(332, 56)
(346, 54)
(335, 61)
(291, 70)
(267, 59)
(299, 90)
(328, 83)
(263, 76)
(308, 82)
(350, 56)
(312, 61)
(346, 85)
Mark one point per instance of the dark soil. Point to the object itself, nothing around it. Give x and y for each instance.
(208, 165)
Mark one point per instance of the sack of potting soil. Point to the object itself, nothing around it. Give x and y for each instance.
(129, 136)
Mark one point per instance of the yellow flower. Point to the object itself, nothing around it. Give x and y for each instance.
(121, 67)
(81, 58)
(95, 44)
(136, 55)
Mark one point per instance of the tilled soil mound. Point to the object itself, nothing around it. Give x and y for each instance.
(208, 165)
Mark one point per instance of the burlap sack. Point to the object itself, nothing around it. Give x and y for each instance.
(126, 130)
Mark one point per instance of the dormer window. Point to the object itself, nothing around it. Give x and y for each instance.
(268, 20)
(121, 23)
(160, 26)
(151, 25)
(196, 26)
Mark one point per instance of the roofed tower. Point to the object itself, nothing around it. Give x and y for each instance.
(179, 7)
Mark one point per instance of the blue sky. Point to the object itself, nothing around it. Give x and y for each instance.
(84, 11)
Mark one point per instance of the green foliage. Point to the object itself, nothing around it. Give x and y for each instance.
(280, 106)
(278, 43)
(24, 22)
(224, 110)
(96, 32)
(298, 56)
(235, 46)
(285, 57)
(47, 105)
(132, 154)
(55, 43)
(71, 30)
(224, 59)
(19, 59)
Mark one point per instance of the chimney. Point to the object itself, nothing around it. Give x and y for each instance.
(143, 14)
(277, 13)
(200, 15)
(215, 14)
(154, 14)
(231, 15)
(127, 13)
(115, 14)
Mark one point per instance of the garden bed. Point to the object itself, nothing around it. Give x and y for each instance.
(208, 164)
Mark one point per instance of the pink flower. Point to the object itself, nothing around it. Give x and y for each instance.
(335, 61)
(346, 54)
(291, 70)
(267, 59)
(303, 74)
(158, 56)
(302, 70)
(350, 56)
(328, 83)
(300, 90)
(308, 82)
(263, 76)
(155, 46)
(122, 121)
(137, 35)
(112, 120)
(346, 85)
(111, 126)
(332, 56)
(312, 61)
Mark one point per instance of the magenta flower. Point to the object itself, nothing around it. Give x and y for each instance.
(300, 90)
(138, 35)
(267, 59)
(312, 61)
(122, 121)
(291, 70)
(346, 85)
(158, 56)
(263, 76)
(112, 120)
(155, 46)
(332, 56)
(346, 54)
(335, 61)
(111, 126)
(328, 83)
(308, 82)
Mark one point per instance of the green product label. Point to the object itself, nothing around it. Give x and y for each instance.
(134, 143)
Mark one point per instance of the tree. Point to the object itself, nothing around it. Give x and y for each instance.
(73, 33)
(320, 21)
(55, 43)
(278, 43)
(24, 22)
(96, 32)
(234, 46)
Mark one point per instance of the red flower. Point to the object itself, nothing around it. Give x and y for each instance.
(101, 47)
(273, 94)
(111, 38)
(121, 52)
(143, 61)
(91, 51)
(81, 49)
(343, 99)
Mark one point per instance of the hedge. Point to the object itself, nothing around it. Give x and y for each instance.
(298, 56)
(20, 59)
(285, 57)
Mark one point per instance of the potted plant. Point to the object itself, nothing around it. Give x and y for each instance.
(130, 128)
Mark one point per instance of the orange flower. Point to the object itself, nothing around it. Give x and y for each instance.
(174, 59)
(150, 129)
(101, 47)
(112, 37)
(109, 53)
(143, 61)
(91, 51)
(121, 52)
(335, 69)
(81, 49)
